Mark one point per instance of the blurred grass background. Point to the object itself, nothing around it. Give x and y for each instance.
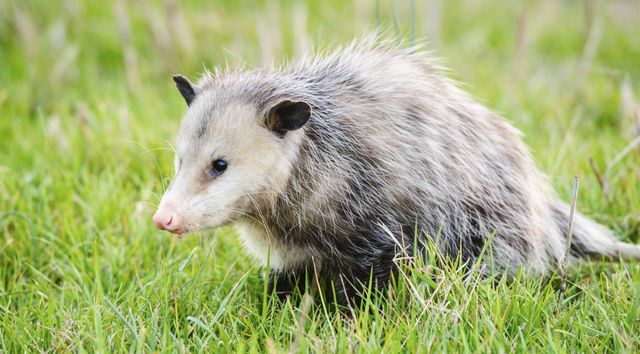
(88, 113)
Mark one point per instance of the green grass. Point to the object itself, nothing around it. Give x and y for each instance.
(88, 111)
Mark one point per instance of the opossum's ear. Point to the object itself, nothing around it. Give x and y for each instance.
(185, 87)
(288, 115)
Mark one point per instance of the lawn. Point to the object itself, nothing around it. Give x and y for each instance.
(88, 114)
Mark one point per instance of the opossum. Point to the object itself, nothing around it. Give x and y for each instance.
(338, 163)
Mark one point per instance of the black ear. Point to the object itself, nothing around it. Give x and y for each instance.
(287, 116)
(185, 87)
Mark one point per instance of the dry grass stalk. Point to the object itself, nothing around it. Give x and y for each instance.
(126, 40)
(594, 23)
(569, 236)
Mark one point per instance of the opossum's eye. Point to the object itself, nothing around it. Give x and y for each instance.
(218, 167)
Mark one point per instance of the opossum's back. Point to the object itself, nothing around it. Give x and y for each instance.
(394, 107)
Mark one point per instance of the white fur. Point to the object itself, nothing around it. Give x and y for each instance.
(266, 250)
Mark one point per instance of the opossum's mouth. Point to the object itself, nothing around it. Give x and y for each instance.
(183, 231)
(180, 233)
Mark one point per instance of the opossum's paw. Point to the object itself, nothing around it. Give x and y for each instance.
(286, 285)
(353, 289)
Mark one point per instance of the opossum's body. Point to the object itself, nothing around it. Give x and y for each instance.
(391, 151)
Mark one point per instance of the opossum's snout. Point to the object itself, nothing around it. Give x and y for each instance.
(167, 219)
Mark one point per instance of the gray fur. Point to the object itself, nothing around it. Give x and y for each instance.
(391, 144)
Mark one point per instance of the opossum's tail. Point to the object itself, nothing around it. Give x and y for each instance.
(592, 240)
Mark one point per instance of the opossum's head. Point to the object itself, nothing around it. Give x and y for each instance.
(232, 154)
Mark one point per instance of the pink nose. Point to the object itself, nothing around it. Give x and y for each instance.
(167, 219)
